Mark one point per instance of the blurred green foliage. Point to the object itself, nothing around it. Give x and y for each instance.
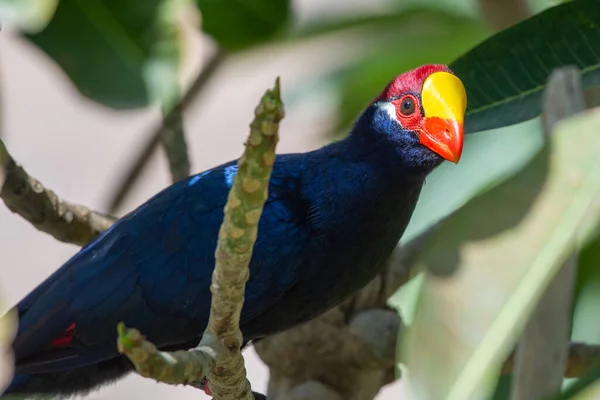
(105, 47)
(359, 83)
(126, 54)
(238, 24)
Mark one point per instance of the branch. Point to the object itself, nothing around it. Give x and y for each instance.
(27, 197)
(218, 355)
(124, 187)
(173, 368)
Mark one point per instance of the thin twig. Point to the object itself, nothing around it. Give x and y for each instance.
(222, 339)
(174, 368)
(173, 140)
(125, 185)
(27, 197)
(543, 350)
(166, 52)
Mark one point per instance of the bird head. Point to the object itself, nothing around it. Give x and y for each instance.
(420, 113)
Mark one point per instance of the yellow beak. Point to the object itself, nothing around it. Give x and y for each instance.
(444, 101)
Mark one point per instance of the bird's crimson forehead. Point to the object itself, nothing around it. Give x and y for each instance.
(410, 81)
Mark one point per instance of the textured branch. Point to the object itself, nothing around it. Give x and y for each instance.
(124, 187)
(236, 239)
(218, 354)
(179, 367)
(27, 197)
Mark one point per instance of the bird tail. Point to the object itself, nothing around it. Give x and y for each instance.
(68, 383)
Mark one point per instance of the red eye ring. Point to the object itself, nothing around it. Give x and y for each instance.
(408, 112)
(407, 105)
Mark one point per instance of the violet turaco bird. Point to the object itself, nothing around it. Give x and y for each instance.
(332, 218)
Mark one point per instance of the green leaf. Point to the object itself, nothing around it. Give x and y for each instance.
(238, 24)
(503, 388)
(28, 15)
(107, 47)
(508, 243)
(505, 75)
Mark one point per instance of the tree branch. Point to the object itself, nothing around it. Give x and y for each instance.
(126, 183)
(218, 354)
(27, 197)
(173, 368)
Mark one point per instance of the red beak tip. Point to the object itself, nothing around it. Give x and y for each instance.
(444, 137)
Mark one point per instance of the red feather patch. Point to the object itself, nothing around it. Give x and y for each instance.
(410, 81)
(65, 338)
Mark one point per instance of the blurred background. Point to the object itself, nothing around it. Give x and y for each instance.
(338, 56)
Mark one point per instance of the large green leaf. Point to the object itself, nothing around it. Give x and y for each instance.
(107, 47)
(507, 243)
(505, 75)
(236, 24)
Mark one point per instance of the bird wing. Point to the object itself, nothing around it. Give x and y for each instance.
(152, 269)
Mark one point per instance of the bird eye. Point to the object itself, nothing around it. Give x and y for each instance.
(407, 106)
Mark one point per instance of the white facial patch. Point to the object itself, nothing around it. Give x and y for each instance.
(389, 108)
